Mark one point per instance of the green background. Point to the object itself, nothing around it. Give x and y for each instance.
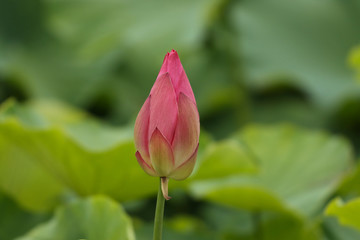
(277, 85)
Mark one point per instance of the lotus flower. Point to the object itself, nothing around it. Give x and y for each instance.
(167, 127)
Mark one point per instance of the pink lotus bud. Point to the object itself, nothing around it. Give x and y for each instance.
(167, 127)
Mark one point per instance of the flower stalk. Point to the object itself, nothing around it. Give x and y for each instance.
(159, 213)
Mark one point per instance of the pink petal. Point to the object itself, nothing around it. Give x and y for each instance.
(187, 131)
(147, 168)
(173, 66)
(161, 154)
(184, 87)
(163, 107)
(141, 130)
(185, 169)
(164, 66)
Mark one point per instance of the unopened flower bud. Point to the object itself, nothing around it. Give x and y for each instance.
(167, 127)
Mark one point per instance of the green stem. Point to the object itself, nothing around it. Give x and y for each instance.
(159, 214)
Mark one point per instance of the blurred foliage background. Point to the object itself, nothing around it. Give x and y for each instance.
(278, 90)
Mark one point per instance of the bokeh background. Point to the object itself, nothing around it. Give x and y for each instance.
(277, 85)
